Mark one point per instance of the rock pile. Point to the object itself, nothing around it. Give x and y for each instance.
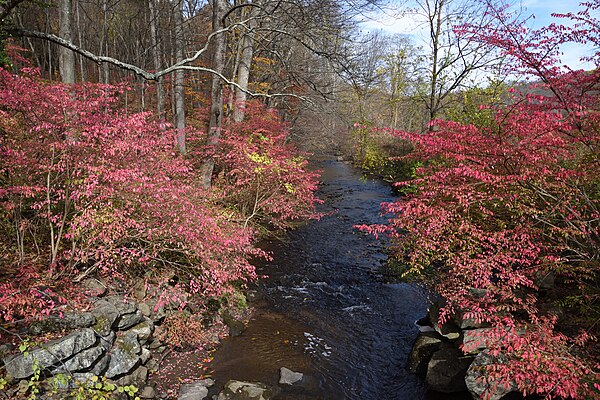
(436, 355)
(114, 340)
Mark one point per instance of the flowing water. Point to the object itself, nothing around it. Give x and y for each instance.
(327, 312)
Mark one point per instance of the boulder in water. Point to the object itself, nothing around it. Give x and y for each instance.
(289, 377)
(239, 390)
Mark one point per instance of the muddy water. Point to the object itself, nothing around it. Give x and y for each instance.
(326, 310)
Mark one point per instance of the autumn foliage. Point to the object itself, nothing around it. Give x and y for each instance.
(87, 188)
(495, 211)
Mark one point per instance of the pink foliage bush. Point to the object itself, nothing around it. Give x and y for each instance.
(494, 210)
(86, 187)
(261, 175)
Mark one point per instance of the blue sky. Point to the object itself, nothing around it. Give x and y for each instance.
(390, 22)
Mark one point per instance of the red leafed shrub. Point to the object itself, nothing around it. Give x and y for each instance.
(87, 188)
(264, 178)
(494, 210)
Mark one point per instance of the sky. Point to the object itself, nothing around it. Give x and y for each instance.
(391, 22)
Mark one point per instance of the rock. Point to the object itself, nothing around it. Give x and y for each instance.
(5, 350)
(447, 369)
(426, 344)
(136, 378)
(156, 313)
(124, 356)
(51, 353)
(143, 330)
(289, 377)
(126, 321)
(145, 309)
(449, 330)
(95, 287)
(147, 392)
(80, 361)
(145, 355)
(139, 290)
(238, 390)
(468, 323)
(110, 309)
(154, 344)
(475, 340)
(152, 364)
(195, 391)
(478, 384)
(236, 328)
(70, 321)
(100, 367)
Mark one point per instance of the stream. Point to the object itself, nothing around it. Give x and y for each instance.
(327, 311)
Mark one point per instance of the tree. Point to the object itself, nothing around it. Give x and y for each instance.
(452, 59)
(67, 57)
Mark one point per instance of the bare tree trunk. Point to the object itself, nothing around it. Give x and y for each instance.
(179, 80)
(243, 76)
(81, 44)
(216, 93)
(66, 60)
(160, 89)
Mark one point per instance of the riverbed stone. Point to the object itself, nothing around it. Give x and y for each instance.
(425, 345)
(147, 392)
(71, 321)
(447, 369)
(51, 353)
(126, 321)
(289, 377)
(449, 329)
(95, 287)
(124, 356)
(196, 390)
(477, 383)
(476, 340)
(81, 361)
(240, 390)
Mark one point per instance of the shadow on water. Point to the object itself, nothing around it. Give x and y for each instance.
(326, 311)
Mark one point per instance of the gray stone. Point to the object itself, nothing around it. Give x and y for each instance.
(139, 290)
(195, 391)
(124, 356)
(143, 330)
(426, 344)
(475, 340)
(449, 329)
(236, 328)
(239, 390)
(192, 392)
(95, 287)
(447, 369)
(145, 355)
(100, 367)
(152, 364)
(110, 309)
(126, 321)
(157, 313)
(468, 323)
(289, 377)
(70, 321)
(145, 309)
(51, 353)
(137, 378)
(477, 383)
(147, 392)
(80, 361)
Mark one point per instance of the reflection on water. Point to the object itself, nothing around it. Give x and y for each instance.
(327, 313)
